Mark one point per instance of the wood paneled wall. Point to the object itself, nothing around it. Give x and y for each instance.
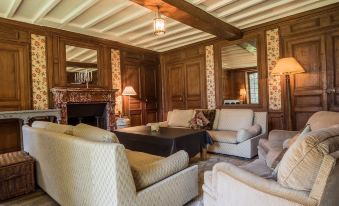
(311, 37)
(15, 67)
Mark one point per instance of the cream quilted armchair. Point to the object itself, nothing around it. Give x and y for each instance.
(308, 173)
(76, 171)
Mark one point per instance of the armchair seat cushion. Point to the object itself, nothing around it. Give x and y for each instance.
(223, 136)
(148, 169)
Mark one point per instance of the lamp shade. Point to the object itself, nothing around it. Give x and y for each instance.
(243, 92)
(287, 65)
(128, 91)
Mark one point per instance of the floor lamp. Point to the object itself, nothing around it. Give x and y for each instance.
(129, 91)
(288, 66)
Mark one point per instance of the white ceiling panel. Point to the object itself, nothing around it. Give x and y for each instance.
(129, 23)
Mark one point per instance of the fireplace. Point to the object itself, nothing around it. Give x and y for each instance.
(92, 114)
(92, 106)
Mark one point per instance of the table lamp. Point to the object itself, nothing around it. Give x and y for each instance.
(129, 91)
(243, 95)
(288, 66)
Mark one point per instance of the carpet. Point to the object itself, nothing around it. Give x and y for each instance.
(40, 198)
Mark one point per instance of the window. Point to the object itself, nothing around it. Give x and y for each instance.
(253, 88)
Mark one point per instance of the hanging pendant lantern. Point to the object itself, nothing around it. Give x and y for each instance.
(159, 24)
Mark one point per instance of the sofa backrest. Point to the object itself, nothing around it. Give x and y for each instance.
(323, 119)
(261, 119)
(75, 171)
(235, 119)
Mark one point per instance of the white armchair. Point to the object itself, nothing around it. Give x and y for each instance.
(231, 185)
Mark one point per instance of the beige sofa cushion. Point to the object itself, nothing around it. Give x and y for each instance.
(53, 127)
(94, 133)
(300, 165)
(180, 118)
(149, 169)
(323, 119)
(235, 119)
(223, 136)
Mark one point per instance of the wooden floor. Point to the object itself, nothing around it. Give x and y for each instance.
(40, 198)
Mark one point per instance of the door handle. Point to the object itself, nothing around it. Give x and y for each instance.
(331, 91)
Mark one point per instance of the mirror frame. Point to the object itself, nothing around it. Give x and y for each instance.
(262, 72)
(62, 65)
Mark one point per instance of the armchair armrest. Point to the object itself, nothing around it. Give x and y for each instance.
(229, 180)
(276, 138)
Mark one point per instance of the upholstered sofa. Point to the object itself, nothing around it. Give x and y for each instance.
(77, 168)
(308, 173)
(228, 128)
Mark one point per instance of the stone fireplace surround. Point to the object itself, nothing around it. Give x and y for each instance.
(66, 96)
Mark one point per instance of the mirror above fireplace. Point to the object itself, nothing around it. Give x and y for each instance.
(81, 65)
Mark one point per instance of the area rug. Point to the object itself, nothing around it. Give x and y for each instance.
(40, 198)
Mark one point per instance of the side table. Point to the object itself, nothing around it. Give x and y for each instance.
(16, 174)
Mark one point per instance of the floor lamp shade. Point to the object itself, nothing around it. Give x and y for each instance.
(288, 66)
(129, 91)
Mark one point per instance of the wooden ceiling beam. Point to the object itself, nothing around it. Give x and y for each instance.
(193, 16)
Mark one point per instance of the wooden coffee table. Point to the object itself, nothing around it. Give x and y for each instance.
(165, 142)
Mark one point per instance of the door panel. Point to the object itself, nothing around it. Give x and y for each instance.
(308, 88)
(131, 77)
(176, 86)
(150, 92)
(333, 70)
(15, 83)
(195, 84)
(15, 91)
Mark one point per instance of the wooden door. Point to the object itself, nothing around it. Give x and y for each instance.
(176, 86)
(332, 56)
(195, 84)
(308, 89)
(132, 77)
(15, 91)
(150, 93)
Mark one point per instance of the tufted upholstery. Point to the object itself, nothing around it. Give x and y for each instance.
(75, 171)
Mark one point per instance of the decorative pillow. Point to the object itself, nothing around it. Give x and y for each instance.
(203, 119)
(300, 165)
(245, 134)
(216, 119)
(94, 133)
(180, 118)
(288, 143)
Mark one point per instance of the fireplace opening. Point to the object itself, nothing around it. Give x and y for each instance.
(92, 114)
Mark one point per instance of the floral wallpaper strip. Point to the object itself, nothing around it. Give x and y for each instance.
(116, 79)
(39, 72)
(274, 87)
(210, 77)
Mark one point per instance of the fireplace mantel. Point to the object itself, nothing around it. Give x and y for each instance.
(64, 96)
